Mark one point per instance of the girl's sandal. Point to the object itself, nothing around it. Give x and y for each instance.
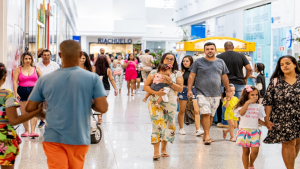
(165, 155)
(156, 157)
(233, 140)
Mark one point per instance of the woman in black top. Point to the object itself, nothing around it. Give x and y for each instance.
(282, 106)
(186, 63)
(103, 70)
(260, 80)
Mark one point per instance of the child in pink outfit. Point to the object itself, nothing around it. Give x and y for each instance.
(163, 69)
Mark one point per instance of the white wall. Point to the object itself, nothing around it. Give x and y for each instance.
(189, 12)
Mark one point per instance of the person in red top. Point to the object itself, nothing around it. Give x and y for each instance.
(130, 74)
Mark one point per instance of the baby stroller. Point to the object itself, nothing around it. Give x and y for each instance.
(96, 131)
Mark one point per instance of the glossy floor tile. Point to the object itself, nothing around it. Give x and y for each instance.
(126, 145)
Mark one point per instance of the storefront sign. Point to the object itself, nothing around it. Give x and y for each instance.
(76, 38)
(114, 41)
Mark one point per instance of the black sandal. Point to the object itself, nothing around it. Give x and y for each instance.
(156, 157)
(207, 142)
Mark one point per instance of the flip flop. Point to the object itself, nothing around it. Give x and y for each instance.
(165, 155)
(224, 134)
(210, 140)
(233, 140)
(207, 142)
(156, 157)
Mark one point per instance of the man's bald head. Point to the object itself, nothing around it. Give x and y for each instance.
(102, 51)
(228, 46)
(70, 49)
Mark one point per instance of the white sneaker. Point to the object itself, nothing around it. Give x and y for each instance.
(182, 132)
(138, 91)
(199, 132)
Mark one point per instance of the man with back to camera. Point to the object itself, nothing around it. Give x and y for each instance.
(69, 98)
(235, 62)
(46, 66)
(210, 72)
(147, 62)
(102, 53)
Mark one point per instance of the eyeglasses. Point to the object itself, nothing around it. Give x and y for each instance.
(170, 60)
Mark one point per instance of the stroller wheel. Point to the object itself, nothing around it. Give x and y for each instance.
(97, 136)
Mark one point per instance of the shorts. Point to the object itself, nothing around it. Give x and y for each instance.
(61, 155)
(139, 74)
(130, 75)
(145, 74)
(183, 94)
(229, 115)
(24, 92)
(157, 87)
(248, 137)
(208, 105)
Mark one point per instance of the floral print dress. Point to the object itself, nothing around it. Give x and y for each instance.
(285, 115)
(163, 119)
(9, 140)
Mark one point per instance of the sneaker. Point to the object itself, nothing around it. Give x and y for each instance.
(25, 134)
(138, 91)
(182, 132)
(199, 132)
(33, 134)
(42, 123)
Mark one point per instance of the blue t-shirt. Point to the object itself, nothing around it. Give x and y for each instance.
(69, 93)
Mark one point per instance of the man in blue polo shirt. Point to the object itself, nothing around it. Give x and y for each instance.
(70, 92)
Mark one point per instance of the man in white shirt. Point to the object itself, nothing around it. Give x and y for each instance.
(46, 66)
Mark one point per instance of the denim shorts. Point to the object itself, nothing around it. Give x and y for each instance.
(183, 94)
(24, 92)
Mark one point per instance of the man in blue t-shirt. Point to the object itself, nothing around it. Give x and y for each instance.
(70, 93)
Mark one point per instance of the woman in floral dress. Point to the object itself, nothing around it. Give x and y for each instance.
(163, 119)
(282, 106)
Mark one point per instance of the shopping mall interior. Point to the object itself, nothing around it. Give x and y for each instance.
(127, 130)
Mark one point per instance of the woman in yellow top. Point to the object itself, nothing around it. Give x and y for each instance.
(229, 104)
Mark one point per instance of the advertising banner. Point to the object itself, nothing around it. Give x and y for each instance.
(282, 44)
(257, 28)
(230, 25)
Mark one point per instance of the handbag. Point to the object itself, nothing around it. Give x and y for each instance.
(117, 72)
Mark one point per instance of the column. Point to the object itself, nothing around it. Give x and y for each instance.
(3, 31)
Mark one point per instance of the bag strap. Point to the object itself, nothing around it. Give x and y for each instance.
(275, 81)
(36, 71)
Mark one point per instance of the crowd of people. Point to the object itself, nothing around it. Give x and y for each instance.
(44, 88)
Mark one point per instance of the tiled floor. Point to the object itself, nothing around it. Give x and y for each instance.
(126, 145)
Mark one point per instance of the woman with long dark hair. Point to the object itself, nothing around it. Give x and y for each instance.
(186, 63)
(139, 76)
(282, 108)
(130, 74)
(103, 70)
(163, 118)
(85, 63)
(25, 78)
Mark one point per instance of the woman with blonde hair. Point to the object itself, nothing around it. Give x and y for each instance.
(25, 77)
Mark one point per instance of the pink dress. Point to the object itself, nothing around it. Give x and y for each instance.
(131, 72)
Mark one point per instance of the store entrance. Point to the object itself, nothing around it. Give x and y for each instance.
(124, 49)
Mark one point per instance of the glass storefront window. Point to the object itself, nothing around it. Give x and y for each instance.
(156, 46)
